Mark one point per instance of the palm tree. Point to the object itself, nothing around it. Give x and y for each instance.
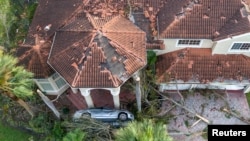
(6, 20)
(146, 130)
(15, 82)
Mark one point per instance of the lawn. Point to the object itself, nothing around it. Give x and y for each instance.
(248, 98)
(12, 134)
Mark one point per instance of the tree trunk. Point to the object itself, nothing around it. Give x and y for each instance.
(20, 102)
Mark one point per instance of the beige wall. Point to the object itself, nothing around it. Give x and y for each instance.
(171, 45)
(223, 46)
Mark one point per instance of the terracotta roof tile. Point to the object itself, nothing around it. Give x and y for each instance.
(104, 57)
(144, 14)
(199, 64)
(156, 44)
(151, 6)
(51, 10)
(188, 19)
(34, 57)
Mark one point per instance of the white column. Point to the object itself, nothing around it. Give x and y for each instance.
(115, 93)
(87, 96)
(74, 90)
(137, 90)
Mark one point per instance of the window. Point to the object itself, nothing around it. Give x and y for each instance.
(45, 84)
(189, 42)
(58, 80)
(240, 47)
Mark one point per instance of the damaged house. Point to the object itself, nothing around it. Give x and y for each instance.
(84, 45)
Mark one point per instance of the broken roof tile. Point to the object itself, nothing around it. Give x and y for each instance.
(199, 64)
(85, 58)
(201, 20)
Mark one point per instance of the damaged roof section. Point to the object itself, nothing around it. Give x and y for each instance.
(96, 52)
(200, 65)
(205, 19)
(195, 19)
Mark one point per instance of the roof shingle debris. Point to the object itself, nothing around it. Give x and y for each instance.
(200, 65)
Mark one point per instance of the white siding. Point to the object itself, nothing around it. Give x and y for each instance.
(223, 46)
(171, 45)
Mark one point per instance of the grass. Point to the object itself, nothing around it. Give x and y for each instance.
(12, 134)
(248, 98)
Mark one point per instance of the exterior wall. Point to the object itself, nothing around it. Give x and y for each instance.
(196, 85)
(171, 45)
(224, 46)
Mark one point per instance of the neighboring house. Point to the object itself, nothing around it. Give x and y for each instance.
(207, 42)
(83, 45)
(86, 45)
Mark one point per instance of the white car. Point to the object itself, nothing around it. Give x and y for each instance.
(104, 114)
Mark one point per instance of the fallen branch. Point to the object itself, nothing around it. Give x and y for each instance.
(195, 123)
(166, 111)
(183, 107)
(235, 115)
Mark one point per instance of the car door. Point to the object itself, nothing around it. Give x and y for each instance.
(109, 114)
(95, 113)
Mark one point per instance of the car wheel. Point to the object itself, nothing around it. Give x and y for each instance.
(123, 116)
(86, 115)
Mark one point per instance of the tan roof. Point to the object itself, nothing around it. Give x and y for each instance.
(207, 19)
(102, 53)
(200, 64)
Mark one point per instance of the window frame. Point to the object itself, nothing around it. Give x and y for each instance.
(40, 82)
(239, 50)
(188, 44)
(54, 81)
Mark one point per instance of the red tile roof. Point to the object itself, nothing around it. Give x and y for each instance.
(201, 19)
(199, 64)
(34, 57)
(103, 52)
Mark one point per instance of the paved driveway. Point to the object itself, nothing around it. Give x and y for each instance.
(184, 126)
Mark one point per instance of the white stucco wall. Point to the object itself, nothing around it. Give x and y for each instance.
(171, 45)
(223, 46)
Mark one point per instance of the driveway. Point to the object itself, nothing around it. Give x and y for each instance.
(185, 126)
